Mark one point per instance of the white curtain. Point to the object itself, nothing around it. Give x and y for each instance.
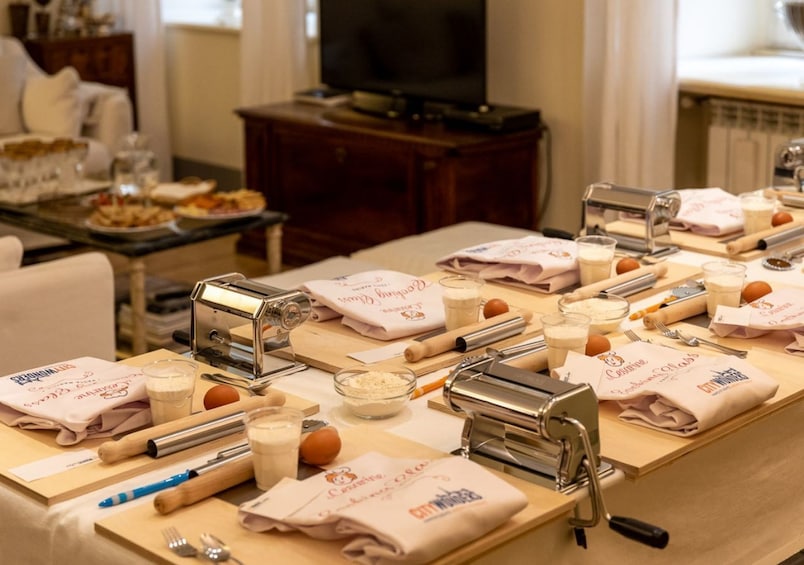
(273, 60)
(143, 18)
(630, 91)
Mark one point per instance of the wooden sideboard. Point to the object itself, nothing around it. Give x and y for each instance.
(108, 59)
(350, 180)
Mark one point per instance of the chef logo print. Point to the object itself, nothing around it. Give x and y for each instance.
(611, 359)
(413, 315)
(341, 476)
(116, 393)
(560, 254)
(761, 304)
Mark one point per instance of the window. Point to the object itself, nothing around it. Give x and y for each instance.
(227, 13)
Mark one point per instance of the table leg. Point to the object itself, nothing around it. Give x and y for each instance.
(273, 246)
(136, 291)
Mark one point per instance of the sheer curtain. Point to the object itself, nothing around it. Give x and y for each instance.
(143, 18)
(273, 59)
(630, 92)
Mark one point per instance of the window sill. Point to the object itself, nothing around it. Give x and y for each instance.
(206, 27)
(765, 78)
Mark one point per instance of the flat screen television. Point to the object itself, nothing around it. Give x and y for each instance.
(399, 56)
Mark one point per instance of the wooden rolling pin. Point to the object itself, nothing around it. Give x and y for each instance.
(591, 290)
(206, 485)
(749, 242)
(444, 342)
(137, 442)
(677, 310)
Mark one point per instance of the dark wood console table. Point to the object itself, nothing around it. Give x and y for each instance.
(350, 181)
(104, 58)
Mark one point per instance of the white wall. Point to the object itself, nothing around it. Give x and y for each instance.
(724, 27)
(536, 61)
(203, 92)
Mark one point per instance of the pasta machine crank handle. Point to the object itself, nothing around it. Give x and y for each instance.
(637, 530)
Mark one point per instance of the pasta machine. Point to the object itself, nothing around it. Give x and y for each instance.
(539, 429)
(788, 166)
(516, 422)
(242, 325)
(638, 218)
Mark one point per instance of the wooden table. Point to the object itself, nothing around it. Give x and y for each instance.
(25, 446)
(729, 495)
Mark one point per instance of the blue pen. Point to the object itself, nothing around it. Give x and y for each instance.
(143, 491)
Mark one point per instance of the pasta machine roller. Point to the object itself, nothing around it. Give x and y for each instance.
(638, 218)
(515, 421)
(242, 325)
(539, 429)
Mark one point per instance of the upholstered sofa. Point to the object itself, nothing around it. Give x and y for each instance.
(34, 104)
(55, 310)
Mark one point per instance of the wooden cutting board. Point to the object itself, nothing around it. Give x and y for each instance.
(26, 446)
(638, 451)
(711, 245)
(139, 529)
(327, 345)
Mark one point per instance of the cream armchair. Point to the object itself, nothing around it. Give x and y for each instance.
(56, 310)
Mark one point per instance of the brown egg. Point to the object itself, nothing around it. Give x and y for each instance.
(320, 446)
(626, 264)
(597, 344)
(754, 290)
(219, 395)
(780, 218)
(494, 307)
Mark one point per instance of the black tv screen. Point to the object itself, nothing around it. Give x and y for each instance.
(425, 50)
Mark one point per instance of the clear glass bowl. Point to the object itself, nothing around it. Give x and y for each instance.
(606, 312)
(375, 391)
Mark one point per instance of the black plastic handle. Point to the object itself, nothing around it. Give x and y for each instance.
(642, 532)
(182, 337)
(560, 234)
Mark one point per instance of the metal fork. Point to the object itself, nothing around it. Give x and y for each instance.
(696, 341)
(630, 334)
(178, 544)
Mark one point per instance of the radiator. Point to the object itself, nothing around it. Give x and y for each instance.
(742, 141)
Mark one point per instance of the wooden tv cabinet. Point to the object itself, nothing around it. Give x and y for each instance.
(350, 180)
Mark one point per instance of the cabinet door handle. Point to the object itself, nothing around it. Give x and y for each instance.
(340, 155)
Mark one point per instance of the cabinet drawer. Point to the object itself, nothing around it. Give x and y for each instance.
(109, 64)
(359, 192)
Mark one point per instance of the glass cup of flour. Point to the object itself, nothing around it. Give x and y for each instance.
(757, 211)
(724, 283)
(274, 435)
(595, 257)
(170, 384)
(462, 298)
(564, 332)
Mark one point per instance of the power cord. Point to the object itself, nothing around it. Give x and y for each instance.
(546, 157)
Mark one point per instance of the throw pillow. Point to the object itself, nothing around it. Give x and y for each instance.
(12, 81)
(51, 104)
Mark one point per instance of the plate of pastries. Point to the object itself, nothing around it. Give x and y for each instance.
(222, 205)
(130, 220)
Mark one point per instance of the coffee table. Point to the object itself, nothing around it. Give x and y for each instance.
(66, 218)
